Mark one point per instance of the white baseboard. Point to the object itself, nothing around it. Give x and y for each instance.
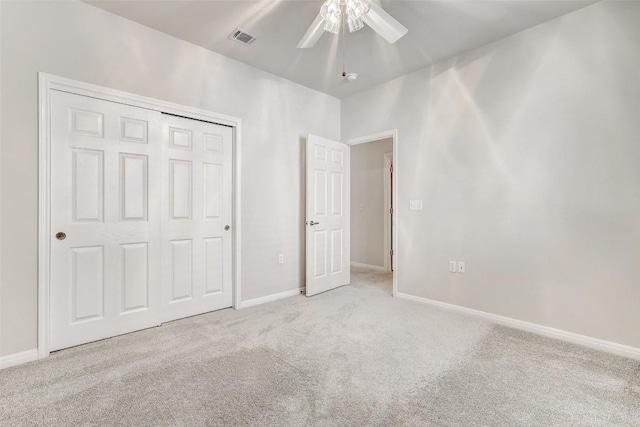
(595, 343)
(369, 266)
(270, 298)
(18, 358)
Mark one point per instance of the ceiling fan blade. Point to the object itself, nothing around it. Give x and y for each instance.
(313, 34)
(383, 23)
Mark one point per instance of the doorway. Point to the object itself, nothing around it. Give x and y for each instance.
(373, 236)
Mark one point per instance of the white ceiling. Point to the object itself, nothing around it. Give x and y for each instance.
(437, 30)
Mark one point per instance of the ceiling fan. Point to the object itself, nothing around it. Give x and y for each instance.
(357, 13)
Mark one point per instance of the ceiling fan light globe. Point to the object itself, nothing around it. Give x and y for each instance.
(330, 10)
(355, 8)
(331, 13)
(355, 24)
(332, 26)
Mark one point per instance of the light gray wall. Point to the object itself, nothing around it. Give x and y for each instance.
(367, 190)
(526, 153)
(78, 41)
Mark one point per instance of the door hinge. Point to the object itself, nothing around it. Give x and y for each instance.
(391, 252)
(391, 168)
(391, 211)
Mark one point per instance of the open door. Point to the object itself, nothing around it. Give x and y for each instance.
(328, 236)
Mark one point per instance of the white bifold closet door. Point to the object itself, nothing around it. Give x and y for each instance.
(196, 217)
(139, 205)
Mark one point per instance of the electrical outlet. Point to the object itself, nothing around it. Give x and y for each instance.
(452, 267)
(415, 205)
(461, 267)
(281, 259)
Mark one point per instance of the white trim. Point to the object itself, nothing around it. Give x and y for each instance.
(393, 134)
(44, 214)
(594, 343)
(271, 298)
(48, 82)
(18, 358)
(369, 266)
(387, 162)
(237, 215)
(0, 190)
(114, 95)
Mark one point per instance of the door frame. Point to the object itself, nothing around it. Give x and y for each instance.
(387, 161)
(47, 83)
(393, 134)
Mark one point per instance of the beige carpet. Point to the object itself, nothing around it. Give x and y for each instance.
(350, 357)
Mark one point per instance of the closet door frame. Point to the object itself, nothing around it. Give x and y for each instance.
(48, 83)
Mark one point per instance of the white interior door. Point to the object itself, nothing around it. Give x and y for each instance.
(105, 268)
(196, 217)
(328, 237)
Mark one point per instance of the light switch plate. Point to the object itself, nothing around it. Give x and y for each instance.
(281, 259)
(415, 205)
(452, 267)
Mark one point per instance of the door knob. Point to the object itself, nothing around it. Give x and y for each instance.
(312, 223)
(226, 227)
(61, 236)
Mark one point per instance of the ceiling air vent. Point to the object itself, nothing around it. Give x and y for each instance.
(242, 37)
